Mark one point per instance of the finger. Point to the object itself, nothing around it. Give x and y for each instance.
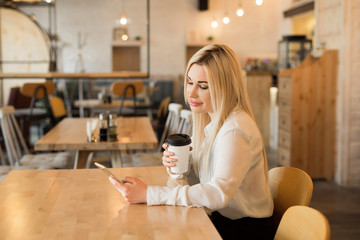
(169, 162)
(169, 159)
(116, 183)
(168, 154)
(130, 180)
(191, 148)
(164, 146)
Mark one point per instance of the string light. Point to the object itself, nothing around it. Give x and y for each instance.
(214, 24)
(240, 11)
(226, 19)
(259, 2)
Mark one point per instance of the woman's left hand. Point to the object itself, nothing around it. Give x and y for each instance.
(133, 190)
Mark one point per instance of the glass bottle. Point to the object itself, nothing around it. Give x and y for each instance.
(112, 128)
(103, 127)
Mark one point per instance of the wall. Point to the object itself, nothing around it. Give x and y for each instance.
(172, 24)
(338, 24)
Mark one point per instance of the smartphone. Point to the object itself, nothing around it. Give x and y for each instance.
(107, 172)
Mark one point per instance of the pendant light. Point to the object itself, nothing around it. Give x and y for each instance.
(123, 19)
(240, 11)
(214, 24)
(226, 18)
(259, 2)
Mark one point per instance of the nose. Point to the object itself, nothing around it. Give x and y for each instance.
(192, 93)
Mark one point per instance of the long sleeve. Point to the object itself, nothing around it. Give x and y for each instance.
(237, 184)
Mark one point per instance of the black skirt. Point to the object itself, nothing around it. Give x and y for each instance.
(244, 228)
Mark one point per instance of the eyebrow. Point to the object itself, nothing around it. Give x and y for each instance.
(198, 81)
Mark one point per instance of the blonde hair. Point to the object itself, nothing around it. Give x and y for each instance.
(228, 94)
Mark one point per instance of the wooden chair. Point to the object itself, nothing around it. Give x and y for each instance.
(289, 186)
(34, 114)
(58, 108)
(18, 154)
(126, 90)
(158, 122)
(185, 125)
(303, 222)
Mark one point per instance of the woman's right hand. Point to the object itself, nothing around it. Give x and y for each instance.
(167, 159)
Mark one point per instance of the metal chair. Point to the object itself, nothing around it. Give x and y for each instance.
(34, 114)
(303, 222)
(18, 154)
(289, 186)
(126, 90)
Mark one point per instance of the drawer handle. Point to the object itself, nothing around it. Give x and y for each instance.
(283, 139)
(282, 157)
(283, 121)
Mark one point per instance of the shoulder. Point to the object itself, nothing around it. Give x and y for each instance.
(240, 123)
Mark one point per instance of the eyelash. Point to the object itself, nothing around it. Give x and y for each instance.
(202, 87)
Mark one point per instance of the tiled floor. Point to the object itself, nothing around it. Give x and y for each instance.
(341, 206)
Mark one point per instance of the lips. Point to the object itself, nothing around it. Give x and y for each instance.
(194, 103)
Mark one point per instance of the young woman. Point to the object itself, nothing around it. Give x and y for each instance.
(228, 157)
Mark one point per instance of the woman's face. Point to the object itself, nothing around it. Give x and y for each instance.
(198, 90)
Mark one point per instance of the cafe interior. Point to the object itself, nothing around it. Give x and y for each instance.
(90, 81)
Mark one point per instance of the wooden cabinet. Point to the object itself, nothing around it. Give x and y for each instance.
(126, 56)
(307, 105)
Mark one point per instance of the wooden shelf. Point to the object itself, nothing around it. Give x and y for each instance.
(120, 74)
(127, 43)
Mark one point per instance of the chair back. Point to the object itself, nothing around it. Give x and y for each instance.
(28, 89)
(172, 122)
(163, 108)
(289, 186)
(13, 138)
(303, 222)
(118, 88)
(185, 125)
(127, 89)
(58, 108)
(39, 91)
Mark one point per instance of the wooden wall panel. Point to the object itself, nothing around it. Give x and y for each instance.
(313, 115)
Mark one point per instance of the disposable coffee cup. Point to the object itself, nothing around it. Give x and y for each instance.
(179, 144)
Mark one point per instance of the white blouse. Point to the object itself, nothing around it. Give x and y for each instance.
(238, 185)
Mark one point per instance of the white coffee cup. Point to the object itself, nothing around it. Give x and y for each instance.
(179, 144)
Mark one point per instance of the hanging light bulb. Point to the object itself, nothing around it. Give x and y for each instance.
(123, 19)
(214, 24)
(226, 19)
(240, 11)
(259, 2)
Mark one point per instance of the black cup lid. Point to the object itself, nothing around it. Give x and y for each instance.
(178, 140)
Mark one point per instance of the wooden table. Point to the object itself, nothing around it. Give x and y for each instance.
(82, 204)
(70, 134)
